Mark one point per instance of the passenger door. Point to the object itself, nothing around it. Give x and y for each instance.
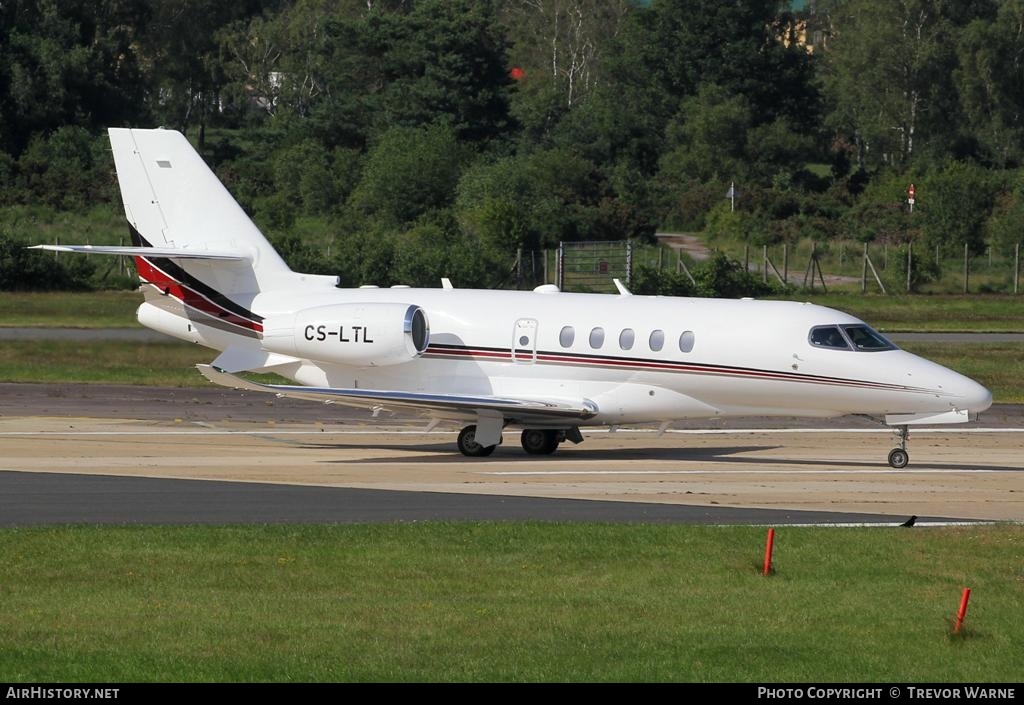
(524, 341)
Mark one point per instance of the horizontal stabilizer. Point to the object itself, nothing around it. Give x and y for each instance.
(168, 252)
(943, 417)
(441, 404)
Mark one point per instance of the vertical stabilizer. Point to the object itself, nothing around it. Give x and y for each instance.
(173, 199)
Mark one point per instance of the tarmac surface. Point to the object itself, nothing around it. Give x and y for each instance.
(28, 499)
(112, 454)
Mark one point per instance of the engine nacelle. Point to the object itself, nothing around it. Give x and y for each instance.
(362, 335)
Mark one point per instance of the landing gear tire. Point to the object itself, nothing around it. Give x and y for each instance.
(539, 441)
(898, 458)
(468, 445)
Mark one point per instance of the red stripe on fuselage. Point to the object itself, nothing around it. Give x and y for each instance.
(190, 297)
(666, 366)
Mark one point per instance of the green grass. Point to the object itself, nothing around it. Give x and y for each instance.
(108, 362)
(524, 602)
(938, 313)
(998, 366)
(95, 309)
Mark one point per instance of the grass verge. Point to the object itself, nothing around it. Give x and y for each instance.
(523, 602)
(64, 309)
(990, 313)
(103, 362)
(998, 366)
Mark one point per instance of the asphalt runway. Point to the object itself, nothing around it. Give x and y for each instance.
(107, 454)
(28, 499)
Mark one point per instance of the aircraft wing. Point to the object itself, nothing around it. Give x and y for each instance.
(456, 406)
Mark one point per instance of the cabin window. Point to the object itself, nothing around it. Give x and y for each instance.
(828, 337)
(686, 341)
(626, 338)
(657, 340)
(597, 338)
(867, 339)
(566, 336)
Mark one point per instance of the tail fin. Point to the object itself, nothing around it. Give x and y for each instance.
(204, 260)
(174, 201)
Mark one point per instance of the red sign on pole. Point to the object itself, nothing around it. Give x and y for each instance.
(911, 191)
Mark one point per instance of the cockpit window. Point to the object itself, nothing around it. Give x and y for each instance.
(828, 337)
(867, 339)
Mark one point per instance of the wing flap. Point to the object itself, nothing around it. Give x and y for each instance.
(432, 403)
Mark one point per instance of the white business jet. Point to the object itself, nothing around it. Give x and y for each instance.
(542, 361)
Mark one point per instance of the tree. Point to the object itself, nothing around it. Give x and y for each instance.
(708, 138)
(1004, 230)
(726, 56)
(956, 200)
(70, 169)
(990, 80)
(888, 74)
(185, 60)
(562, 43)
(681, 44)
(353, 74)
(408, 173)
(69, 63)
(530, 201)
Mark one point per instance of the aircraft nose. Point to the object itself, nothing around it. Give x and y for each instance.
(975, 398)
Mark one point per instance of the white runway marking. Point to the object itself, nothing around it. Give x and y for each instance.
(884, 429)
(264, 432)
(858, 525)
(743, 472)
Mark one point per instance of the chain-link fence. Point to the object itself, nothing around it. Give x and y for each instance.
(843, 265)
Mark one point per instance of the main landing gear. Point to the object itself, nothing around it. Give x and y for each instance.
(541, 441)
(468, 445)
(899, 457)
(536, 441)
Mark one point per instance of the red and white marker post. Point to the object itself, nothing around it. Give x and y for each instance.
(768, 548)
(962, 612)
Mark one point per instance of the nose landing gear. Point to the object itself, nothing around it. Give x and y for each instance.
(899, 457)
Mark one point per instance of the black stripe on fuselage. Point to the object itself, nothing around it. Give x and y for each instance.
(176, 272)
(651, 364)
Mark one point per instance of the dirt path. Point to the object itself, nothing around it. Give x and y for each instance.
(693, 246)
(688, 244)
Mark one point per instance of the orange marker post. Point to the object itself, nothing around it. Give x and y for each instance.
(768, 552)
(962, 612)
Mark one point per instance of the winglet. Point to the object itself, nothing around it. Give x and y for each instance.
(446, 283)
(623, 291)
